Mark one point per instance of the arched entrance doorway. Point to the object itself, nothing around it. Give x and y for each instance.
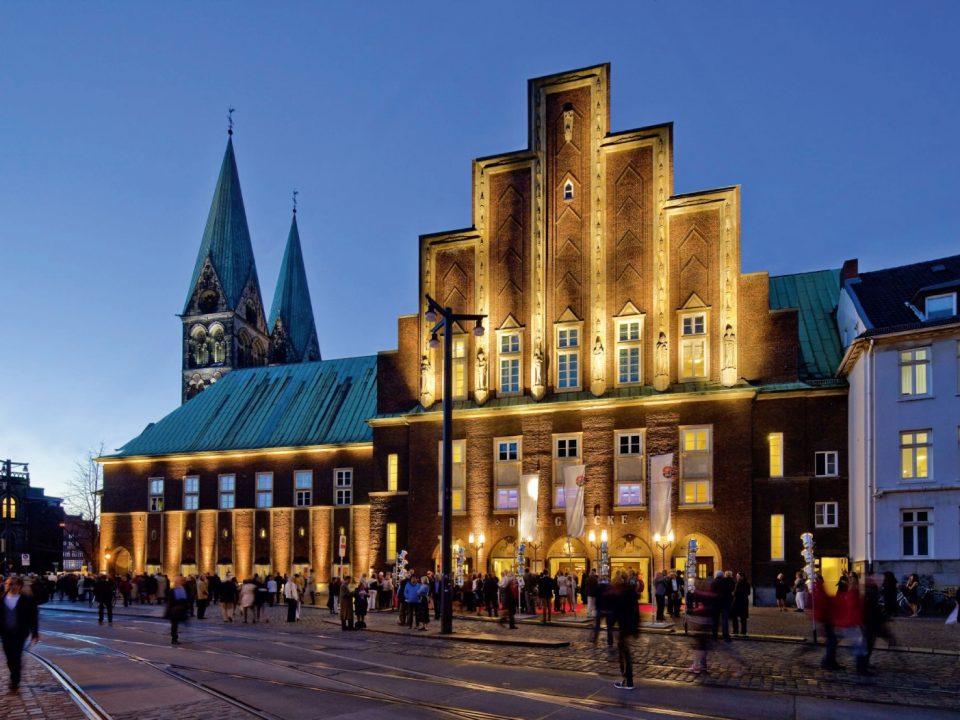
(503, 556)
(709, 559)
(122, 561)
(467, 558)
(631, 552)
(567, 554)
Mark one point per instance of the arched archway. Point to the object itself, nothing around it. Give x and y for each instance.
(709, 559)
(503, 555)
(122, 561)
(467, 558)
(567, 554)
(631, 552)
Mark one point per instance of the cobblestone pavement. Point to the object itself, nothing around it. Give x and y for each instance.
(40, 696)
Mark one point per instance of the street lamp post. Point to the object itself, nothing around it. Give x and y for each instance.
(444, 318)
(477, 544)
(592, 538)
(663, 543)
(534, 546)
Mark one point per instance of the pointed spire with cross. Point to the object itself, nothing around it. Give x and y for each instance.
(230, 112)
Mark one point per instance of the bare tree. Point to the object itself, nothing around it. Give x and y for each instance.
(83, 499)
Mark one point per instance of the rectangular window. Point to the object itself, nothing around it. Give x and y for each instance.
(343, 486)
(393, 472)
(776, 537)
(825, 514)
(228, 490)
(696, 465)
(156, 494)
(916, 449)
(941, 306)
(510, 363)
(459, 367)
(827, 464)
(191, 492)
(458, 489)
(568, 358)
(391, 542)
(915, 372)
(776, 454)
(566, 451)
(694, 346)
(629, 352)
(264, 489)
(629, 467)
(507, 461)
(303, 488)
(917, 527)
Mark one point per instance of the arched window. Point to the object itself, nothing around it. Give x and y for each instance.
(258, 353)
(244, 349)
(199, 352)
(568, 190)
(218, 344)
(251, 313)
(8, 507)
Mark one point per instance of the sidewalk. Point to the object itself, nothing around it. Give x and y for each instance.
(40, 696)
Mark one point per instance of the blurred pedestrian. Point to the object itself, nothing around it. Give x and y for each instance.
(740, 608)
(780, 590)
(104, 591)
(177, 602)
(627, 613)
(19, 621)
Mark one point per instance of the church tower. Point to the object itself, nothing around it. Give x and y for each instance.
(223, 319)
(293, 331)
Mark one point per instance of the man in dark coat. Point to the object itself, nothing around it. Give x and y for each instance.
(722, 587)
(545, 587)
(104, 592)
(627, 613)
(177, 603)
(18, 620)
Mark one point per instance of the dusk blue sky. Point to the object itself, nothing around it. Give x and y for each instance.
(838, 120)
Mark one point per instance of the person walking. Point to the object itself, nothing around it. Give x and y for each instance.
(104, 592)
(423, 604)
(780, 590)
(911, 593)
(20, 620)
(588, 591)
(545, 588)
(292, 595)
(823, 613)
(333, 595)
(346, 604)
(722, 588)
(889, 592)
(409, 589)
(800, 595)
(203, 596)
(511, 598)
(740, 608)
(660, 593)
(627, 613)
(228, 599)
(248, 596)
(361, 604)
(177, 602)
(490, 592)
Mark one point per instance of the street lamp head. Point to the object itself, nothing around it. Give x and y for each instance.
(478, 328)
(670, 536)
(592, 536)
(434, 341)
(656, 537)
(603, 536)
(483, 539)
(471, 539)
(431, 315)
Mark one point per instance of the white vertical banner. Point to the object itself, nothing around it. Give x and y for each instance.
(661, 487)
(573, 480)
(529, 493)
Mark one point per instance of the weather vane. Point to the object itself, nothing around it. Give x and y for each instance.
(230, 112)
(295, 193)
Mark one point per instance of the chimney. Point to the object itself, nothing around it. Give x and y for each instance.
(850, 269)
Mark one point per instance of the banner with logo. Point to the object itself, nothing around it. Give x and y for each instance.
(661, 488)
(573, 479)
(529, 493)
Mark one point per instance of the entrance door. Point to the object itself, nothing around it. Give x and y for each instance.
(502, 565)
(188, 569)
(640, 565)
(122, 562)
(223, 569)
(704, 566)
(572, 565)
(261, 571)
(832, 568)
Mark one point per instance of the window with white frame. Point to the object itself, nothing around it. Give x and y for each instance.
(567, 451)
(826, 463)
(264, 489)
(629, 467)
(776, 538)
(156, 494)
(507, 461)
(459, 367)
(775, 441)
(629, 351)
(915, 372)
(696, 465)
(303, 488)
(228, 491)
(191, 492)
(941, 306)
(694, 346)
(393, 472)
(916, 449)
(568, 358)
(825, 514)
(510, 363)
(458, 489)
(917, 529)
(343, 486)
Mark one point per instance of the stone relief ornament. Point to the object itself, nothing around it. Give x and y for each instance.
(426, 381)
(661, 376)
(538, 387)
(481, 393)
(597, 386)
(728, 372)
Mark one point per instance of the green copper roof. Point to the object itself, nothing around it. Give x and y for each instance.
(317, 403)
(291, 301)
(226, 239)
(816, 295)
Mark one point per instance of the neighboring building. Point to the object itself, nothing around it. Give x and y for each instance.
(79, 543)
(618, 327)
(902, 336)
(30, 523)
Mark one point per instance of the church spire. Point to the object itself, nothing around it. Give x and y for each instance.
(291, 324)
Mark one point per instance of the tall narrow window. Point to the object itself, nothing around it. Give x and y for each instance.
(917, 527)
(156, 494)
(775, 440)
(191, 492)
(694, 346)
(510, 363)
(568, 358)
(568, 190)
(264, 489)
(507, 460)
(566, 451)
(915, 451)
(629, 352)
(776, 537)
(391, 542)
(228, 490)
(915, 372)
(826, 463)
(303, 488)
(629, 468)
(8, 507)
(459, 367)
(343, 486)
(393, 473)
(696, 466)
(459, 479)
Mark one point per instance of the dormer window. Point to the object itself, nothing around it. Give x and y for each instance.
(941, 306)
(568, 191)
